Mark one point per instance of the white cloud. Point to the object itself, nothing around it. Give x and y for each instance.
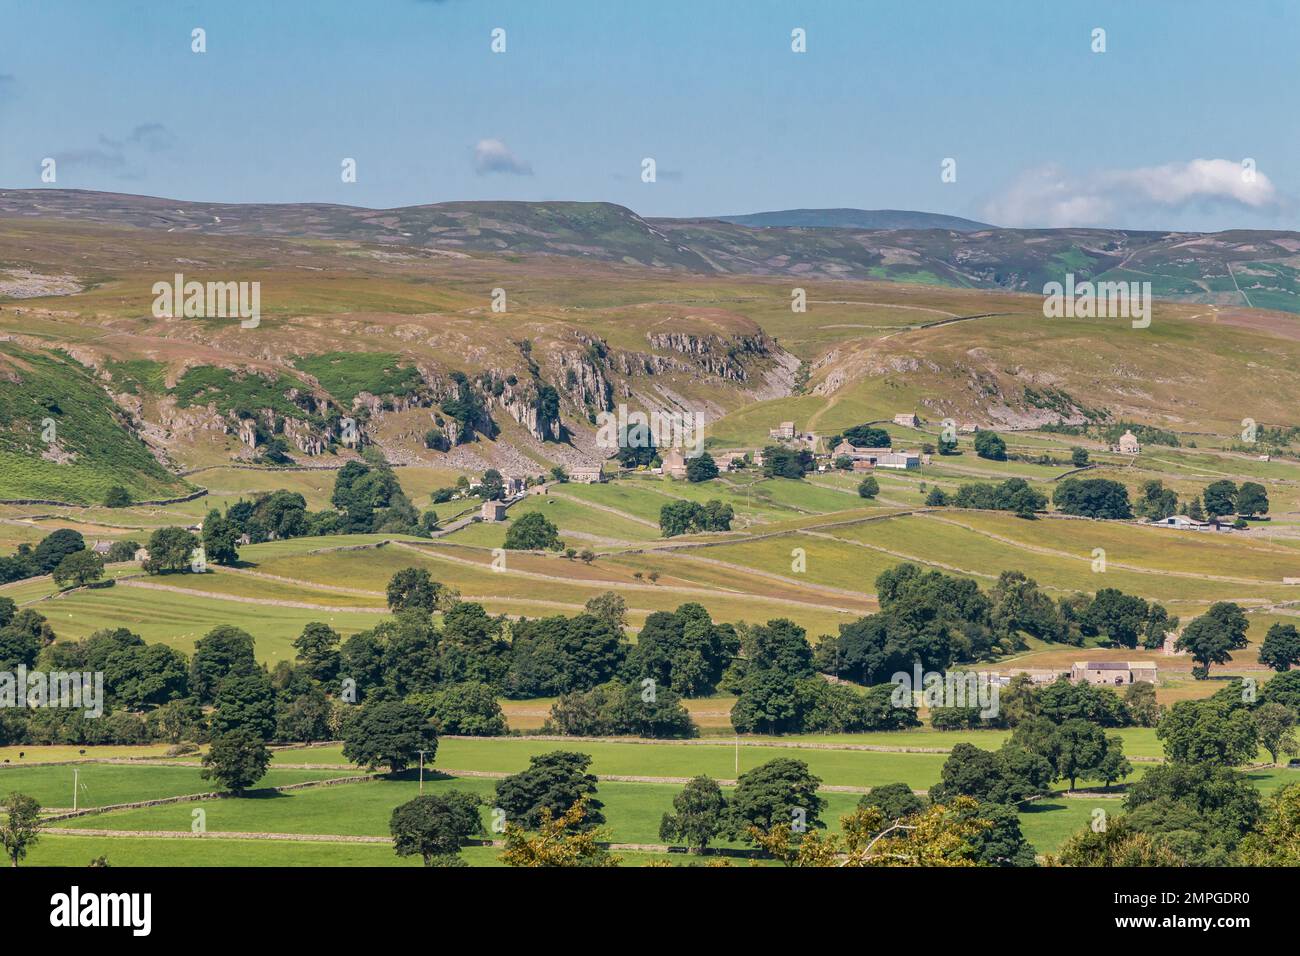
(493, 156)
(1052, 197)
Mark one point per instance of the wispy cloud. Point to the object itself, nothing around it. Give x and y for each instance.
(493, 156)
(118, 155)
(1050, 196)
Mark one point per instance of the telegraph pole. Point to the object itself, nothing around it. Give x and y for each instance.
(422, 753)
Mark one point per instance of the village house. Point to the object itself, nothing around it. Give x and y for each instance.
(587, 474)
(102, 547)
(674, 463)
(969, 429)
(1128, 444)
(1113, 673)
(493, 511)
(907, 419)
(513, 486)
(784, 431)
(730, 460)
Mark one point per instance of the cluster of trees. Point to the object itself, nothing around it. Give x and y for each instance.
(1224, 497)
(690, 517)
(1092, 498)
(782, 462)
(937, 620)
(1040, 752)
(1219, 499)
(1196, 809)
(1022, 702)
(779, 691)
(367, 498)
(641, 709)
(990, 445)
(371, 499)
(1014, 494)
(64, 555)
(863, 436)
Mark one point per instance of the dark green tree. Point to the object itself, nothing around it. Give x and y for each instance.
(781, 791)
(170, 550)
(391, 734)
(701, 468)
(1281, 647)
(553, 781)
(435, 827)
(699, 814)
(236, 760)
(533, 532)
(991, 446)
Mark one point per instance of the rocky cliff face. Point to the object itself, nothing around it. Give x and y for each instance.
(724, 358)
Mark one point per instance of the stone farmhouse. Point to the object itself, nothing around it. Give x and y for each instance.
(1113, 673)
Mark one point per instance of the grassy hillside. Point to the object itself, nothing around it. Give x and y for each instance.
(63, 438)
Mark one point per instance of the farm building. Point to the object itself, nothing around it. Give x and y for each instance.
(493, 511)
(1183, 523)
(102, 547)
(907, 419)
(969, 429)
(674, 463)
(877, 457)
(783, 431)
(587, 474)
(1128, 444)
(1113, 673)
(904, 460)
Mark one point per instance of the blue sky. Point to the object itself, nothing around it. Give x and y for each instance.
(1044, 131)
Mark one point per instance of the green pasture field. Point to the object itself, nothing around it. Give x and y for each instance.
(1190, 552)
(510, 755)
(926, 541)
(828, 562)
(569, 515)
(19, 754)
(103, 784)
(634, 496)
(218, 580)
(79, 851)
(632, 810)
(178, 620)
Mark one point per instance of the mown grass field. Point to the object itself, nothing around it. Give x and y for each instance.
(101, 784)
